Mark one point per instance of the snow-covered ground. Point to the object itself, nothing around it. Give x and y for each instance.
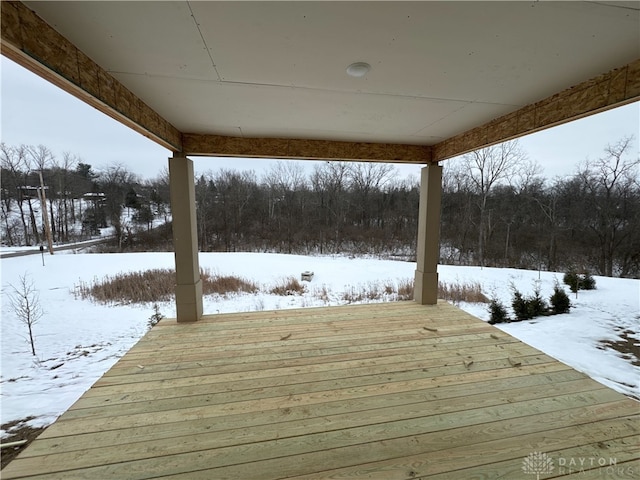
(78, 340)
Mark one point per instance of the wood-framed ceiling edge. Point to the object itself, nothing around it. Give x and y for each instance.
(615, 88)
(303, 149)
(32, 43)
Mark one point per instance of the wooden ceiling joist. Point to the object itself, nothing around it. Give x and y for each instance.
(29, 41)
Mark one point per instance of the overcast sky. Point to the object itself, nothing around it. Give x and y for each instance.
(36, 112)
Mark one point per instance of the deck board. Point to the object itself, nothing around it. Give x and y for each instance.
(383, 391)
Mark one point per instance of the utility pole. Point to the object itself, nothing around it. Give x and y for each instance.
(45, 216)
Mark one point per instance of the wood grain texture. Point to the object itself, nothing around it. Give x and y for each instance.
(383, 391)
(609, 90)
(303, 149)
(29, 41)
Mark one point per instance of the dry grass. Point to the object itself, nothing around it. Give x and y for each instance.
(157, 285)
(354, 295)
(462, 292)
(323, 293)
(375, 291)
(405, 289)
(225, 284)
(287, 286)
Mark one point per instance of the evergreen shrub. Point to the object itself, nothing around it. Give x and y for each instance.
(498, 312)
(559, 300)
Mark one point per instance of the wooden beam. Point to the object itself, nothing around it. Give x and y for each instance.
(31, 42)
(609, 90)
(302, 149)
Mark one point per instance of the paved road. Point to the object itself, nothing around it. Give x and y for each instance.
(36, 250)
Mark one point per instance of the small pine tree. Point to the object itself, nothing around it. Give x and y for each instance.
(155, 317)
(572, 279)
(560, 302)
(587, 282)
(579, 281)
(519, 305)
(536, 306)
(498, 312)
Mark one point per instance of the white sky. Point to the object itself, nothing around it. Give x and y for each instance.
(36, 112)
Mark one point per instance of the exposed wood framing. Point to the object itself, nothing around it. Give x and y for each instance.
(32, 43)
(216, 145)
(609, 90)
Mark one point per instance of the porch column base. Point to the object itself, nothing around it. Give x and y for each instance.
(189, 302)
(426, 288)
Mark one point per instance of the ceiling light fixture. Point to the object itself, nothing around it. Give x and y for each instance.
(358, 69)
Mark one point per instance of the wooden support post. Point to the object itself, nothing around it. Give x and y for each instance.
(185, 240)
(428, 248)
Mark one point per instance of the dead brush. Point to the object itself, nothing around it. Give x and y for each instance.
(457, 292)
(405, 289)
(225, 284)
(288, 286)
(372, 292)
(156, 285)
(324, 294)
(353, 295)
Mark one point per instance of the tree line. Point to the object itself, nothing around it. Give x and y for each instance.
(497, 209)
(77, 200)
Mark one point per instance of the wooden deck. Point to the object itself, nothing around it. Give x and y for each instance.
(384, 391)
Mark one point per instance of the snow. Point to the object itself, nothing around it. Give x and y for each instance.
(77, 341)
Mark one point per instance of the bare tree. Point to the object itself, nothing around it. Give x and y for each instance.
(548, 203)
(365, 178)
(287, 186)
(25, 302)
(235, 191)
(159, 196)
(40, 159)
(25, 190)
(64, 212)
(612, 187)
(487, 168)
(114, 181)
(329, 182)
(13, 159)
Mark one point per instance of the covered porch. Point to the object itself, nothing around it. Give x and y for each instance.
(382, 391)
(410, 82)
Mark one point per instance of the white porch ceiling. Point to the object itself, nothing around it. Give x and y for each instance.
(277, 69)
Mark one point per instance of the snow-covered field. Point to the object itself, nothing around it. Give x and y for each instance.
(77, 340)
